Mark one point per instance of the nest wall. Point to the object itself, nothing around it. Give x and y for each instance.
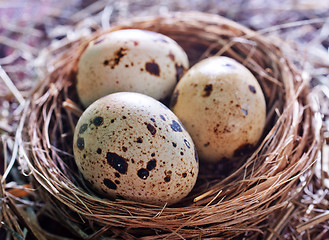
(225, 203)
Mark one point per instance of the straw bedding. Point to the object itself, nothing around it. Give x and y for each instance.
(227, 202)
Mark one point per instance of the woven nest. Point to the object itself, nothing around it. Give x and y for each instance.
(228, 202)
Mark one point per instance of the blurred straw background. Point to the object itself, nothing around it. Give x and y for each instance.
(26, 27)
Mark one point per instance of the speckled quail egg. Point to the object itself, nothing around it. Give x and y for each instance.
(222, 106)
(132, 146)
(130, 60)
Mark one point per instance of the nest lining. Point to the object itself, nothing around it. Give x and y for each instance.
(241, 202)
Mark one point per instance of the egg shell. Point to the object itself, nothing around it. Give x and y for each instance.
(130, 60)
(130, 145)
(222, 106)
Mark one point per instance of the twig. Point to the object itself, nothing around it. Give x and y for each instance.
(11, 86)
(292, 24)
(316, 220)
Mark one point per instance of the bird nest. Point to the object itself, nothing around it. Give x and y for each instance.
(230, 199)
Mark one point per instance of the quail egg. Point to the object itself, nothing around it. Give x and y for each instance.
(130, 145)
(130, 60)
(222, 106)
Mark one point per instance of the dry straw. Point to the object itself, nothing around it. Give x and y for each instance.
(242, 202)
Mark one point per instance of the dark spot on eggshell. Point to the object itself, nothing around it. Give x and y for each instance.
(187, 143)
(151, 128)
(206, 144)
(229, 65)
(184, 175)
(174, 98)
(245, 111)
(207, 90)
(171, 56)
(118, 55)
(135, 43)
(181, 153)
(124, 149)
(84, 156)
(81, 143)
(151, 164)
(143, 173)
(139, 140)
(98, 121)
(176, 126)
(83, 128)
(252, 89)
(174, 144)
(243, 149)
(153, 154)
(117, 181)
(117, 162)
(109, 183)
(152, 68)
(117, 175)
(99, 151)
(167, 178)
(162, 117)
(180, 70)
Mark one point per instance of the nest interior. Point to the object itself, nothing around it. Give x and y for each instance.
(223, 204)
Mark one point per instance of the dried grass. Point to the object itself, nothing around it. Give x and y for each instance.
(244, 203)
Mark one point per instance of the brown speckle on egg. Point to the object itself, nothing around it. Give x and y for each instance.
(99, 151)
(110, 184)
(117, 162)
(167, 178)
(98, 121)
(175, 126)
(83, 128)
(171, 56)
(252, 89)
(151, 164)
(118, 55)
(152, 68)
(187, 143)
(179, 71)
(81, 143)
(207, 90)
(143, 173)
(151, 128)
(139, 140)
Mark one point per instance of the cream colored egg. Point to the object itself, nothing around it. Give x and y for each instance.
(131, 145)
(130, 60)
(222, 106)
